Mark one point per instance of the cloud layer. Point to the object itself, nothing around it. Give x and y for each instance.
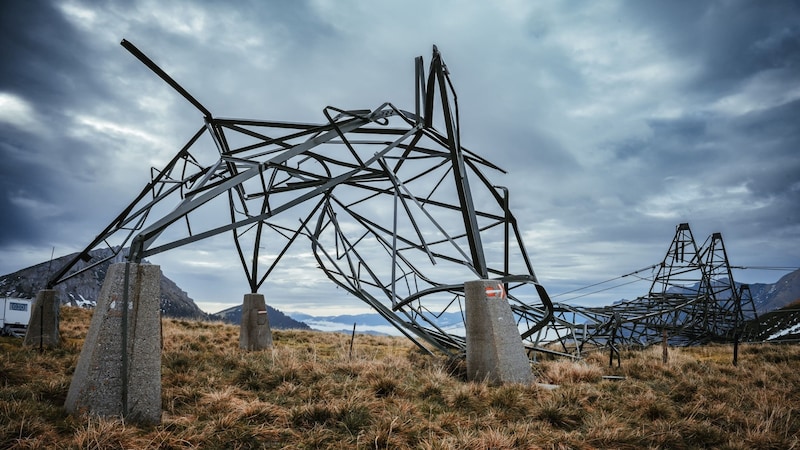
(615, 120)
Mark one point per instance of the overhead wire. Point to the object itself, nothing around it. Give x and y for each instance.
(607, 281)
(605, 289)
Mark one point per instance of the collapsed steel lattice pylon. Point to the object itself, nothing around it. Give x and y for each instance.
(693, 299)
(385, 200)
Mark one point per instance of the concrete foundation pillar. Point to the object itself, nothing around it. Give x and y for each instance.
(43, 326)
(254, 332)
(119, 368)
(494, 347)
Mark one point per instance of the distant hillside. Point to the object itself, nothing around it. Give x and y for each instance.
(780, 325)
(766, 296)
(370, 323)
(277, 319)
(769, 297)
(83, 290)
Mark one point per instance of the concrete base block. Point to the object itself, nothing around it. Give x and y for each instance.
(254, 332)
(119, 369)
(43, 326)
(494, 347)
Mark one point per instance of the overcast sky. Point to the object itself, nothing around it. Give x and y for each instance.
(615, 120)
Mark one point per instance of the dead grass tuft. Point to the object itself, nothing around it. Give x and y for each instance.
(565, 371)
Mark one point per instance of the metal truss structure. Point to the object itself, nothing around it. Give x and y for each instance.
(693, 300)
(394, 211)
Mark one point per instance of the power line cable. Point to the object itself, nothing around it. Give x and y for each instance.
(606, 281)
(784, 268)
(606, 289)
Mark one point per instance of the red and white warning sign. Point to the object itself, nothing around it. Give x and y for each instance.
(496, 291)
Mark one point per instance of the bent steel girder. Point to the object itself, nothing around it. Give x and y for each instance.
(380, 199)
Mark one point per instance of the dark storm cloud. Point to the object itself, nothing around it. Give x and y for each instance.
(673, 147)
(757, 150)
(16, 225)
(45, 58)
(728, 40)
(730, 151)
(39, 188)
(683, 130)
(771, 140)
(54, 171)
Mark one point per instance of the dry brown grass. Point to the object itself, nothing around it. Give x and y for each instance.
(308, 392)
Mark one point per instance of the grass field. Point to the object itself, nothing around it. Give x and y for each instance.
(311, 392)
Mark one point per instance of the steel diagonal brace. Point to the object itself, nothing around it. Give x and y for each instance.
(374, 229)
(192, 202)
(164, 76)
(126, 217)
(146, 237)
(397, 186)
(397, 182)
(291, 240)
(438, 74)
(401, 325)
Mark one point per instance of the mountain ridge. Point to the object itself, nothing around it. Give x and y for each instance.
(277, 319)
(82, 290)
(767, 297)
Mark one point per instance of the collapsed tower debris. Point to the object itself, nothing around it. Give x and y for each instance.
(393, 208)
(692, 300)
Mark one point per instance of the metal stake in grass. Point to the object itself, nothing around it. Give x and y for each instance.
(352, 338)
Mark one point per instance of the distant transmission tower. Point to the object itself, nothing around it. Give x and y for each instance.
(693, 299)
